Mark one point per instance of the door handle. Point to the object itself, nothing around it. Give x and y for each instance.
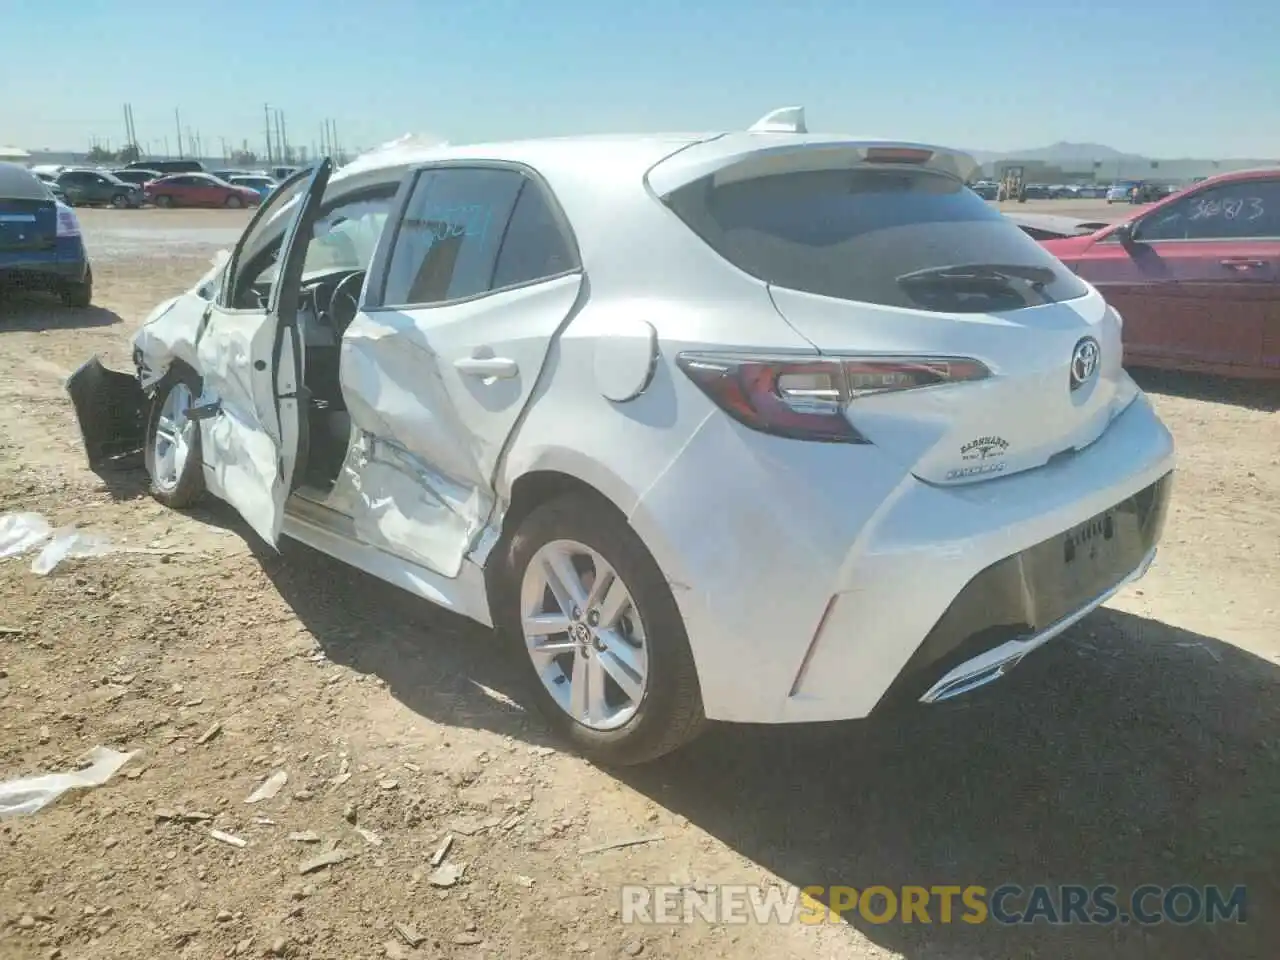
(1242, 263)
(498, 368)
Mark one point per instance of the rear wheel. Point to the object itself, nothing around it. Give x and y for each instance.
(600, 633)
(78, 295)
(173, 441)
(233, 203)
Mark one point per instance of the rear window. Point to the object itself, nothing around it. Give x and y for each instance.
(895, 237)
(19, 183)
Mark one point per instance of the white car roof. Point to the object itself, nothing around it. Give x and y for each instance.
(700, 153)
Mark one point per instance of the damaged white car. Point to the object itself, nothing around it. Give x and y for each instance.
(764, 426)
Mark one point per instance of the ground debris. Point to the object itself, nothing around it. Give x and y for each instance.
(407, 933)
(269, 787)
(327, 859)
(442, 851)
(447, 874)
(227, 838)
(305, 836)
(182, 816)
(619, 844)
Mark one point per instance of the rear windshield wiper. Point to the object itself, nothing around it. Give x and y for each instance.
(981, 273)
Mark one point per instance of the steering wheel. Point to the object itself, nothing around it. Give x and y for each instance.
(344, 304)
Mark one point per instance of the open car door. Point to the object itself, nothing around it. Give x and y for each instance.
(252, 404)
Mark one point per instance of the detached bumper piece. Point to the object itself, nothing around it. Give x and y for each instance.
(111, 410)
(1022, 602)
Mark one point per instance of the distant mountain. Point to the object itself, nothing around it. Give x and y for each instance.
(1061, 153)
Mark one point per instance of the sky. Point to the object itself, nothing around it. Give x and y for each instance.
(1170, 79)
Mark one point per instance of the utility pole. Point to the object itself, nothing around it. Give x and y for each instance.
(266, 113)
(166, 147)
(333, 139)
(284, 139)
(177, 125)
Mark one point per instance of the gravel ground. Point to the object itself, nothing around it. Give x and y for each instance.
(1141, 746)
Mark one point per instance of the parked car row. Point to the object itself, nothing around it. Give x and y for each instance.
(163, 183)
(1119, 192)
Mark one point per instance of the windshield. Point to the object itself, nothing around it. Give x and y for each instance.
(897, 237)
(344, 238)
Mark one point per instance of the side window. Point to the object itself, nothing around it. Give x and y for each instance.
(447, 244)
(1247, 209)
(534, 246)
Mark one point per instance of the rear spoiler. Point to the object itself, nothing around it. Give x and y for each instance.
(770, 148)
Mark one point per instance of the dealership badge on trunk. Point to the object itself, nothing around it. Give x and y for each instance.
(1084, 362)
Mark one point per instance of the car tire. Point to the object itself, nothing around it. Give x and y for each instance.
(668, 713)
(233, 203)
(176, 484)
(120, 201)
(164, 201)
(78, 295)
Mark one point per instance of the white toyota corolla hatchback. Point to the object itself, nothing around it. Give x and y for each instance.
(760, 426)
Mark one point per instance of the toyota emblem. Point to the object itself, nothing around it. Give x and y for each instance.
(1084, 362)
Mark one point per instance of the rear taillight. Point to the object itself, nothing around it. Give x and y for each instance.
(68, 223)
(805, 399)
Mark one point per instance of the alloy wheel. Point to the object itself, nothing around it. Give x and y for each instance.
(173, 438)
(584, 634)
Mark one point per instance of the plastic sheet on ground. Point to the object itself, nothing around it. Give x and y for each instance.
(70, 542)
(30, 794)
(20, 532)
(23, 532)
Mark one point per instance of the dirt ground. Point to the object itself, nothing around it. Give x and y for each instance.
(1141, 747)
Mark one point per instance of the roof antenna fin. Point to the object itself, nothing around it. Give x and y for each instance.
(782, 120)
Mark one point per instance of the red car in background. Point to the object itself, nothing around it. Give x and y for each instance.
(198, 190)
(1196, 277)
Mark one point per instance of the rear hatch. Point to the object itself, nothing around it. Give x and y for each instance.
(874, 254)
(27, 225)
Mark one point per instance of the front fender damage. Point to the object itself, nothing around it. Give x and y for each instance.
(111, 407)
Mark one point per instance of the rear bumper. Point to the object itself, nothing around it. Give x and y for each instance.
(1018, 604)
(818, 575)
(47, 269)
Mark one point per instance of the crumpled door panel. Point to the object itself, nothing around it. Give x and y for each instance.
(242, 443)
(401, 505)
(416, 488)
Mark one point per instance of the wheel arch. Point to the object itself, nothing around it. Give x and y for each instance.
(559, 471)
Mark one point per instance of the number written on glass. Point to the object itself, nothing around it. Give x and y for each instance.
(1243, 208)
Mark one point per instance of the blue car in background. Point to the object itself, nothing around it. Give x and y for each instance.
(41, 247)
(262, 183)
